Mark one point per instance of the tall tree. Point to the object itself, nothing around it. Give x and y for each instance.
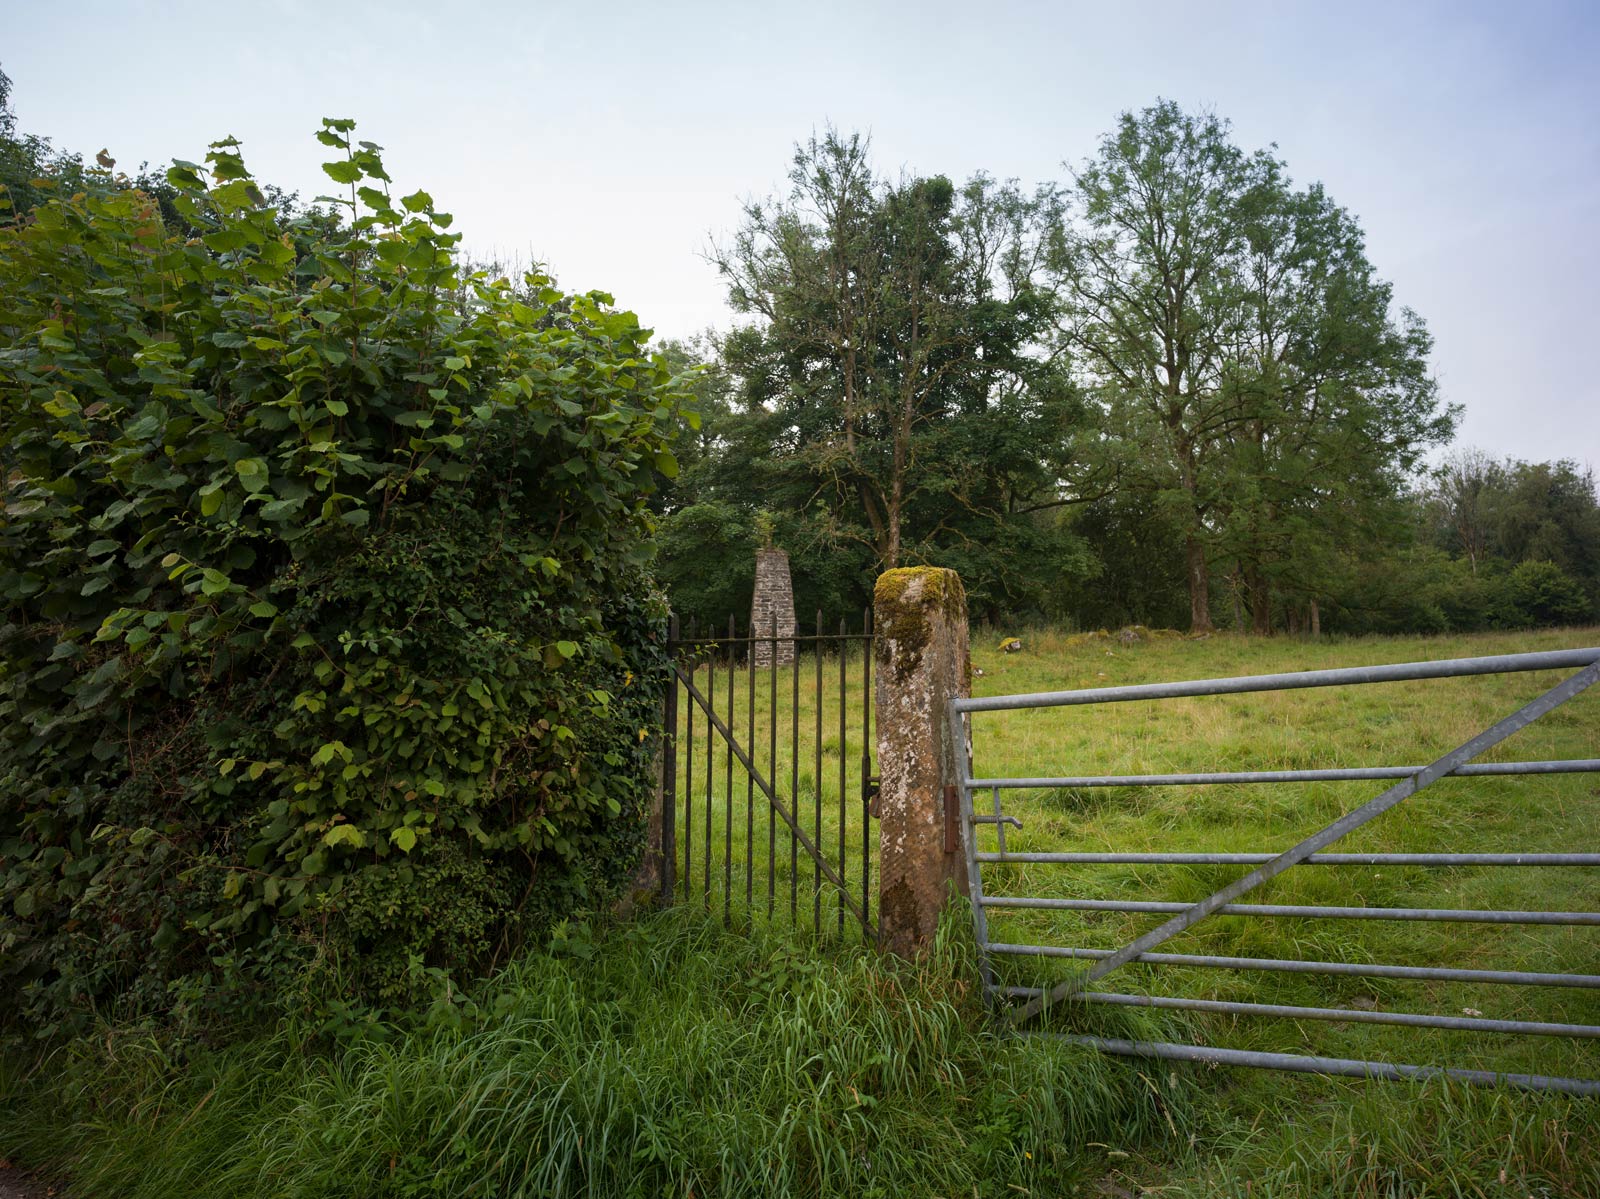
(1336, 402)
(1148, 275)
(1252, 380)
(894, 380)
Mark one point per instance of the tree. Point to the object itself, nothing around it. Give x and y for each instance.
(1335, 402)
(1502, 513)
(1251, 381)
(1460, 498)
(30, 166)
(893, 383)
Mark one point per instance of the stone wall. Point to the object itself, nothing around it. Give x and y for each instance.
(774, 594)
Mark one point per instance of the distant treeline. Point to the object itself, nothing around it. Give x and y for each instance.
(1170, 391)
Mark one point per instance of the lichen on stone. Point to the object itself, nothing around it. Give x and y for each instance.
(903, 602)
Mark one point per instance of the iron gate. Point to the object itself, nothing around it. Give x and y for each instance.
(781, 827)
(1022, 1004)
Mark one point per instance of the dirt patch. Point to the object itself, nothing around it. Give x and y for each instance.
(14, 1184)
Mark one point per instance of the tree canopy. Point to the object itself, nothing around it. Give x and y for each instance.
(1179, 364)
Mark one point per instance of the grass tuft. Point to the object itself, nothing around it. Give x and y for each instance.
(669, 1058)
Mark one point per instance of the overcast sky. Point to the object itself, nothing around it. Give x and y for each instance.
(613, 140)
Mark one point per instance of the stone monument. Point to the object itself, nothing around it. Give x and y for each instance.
(774, 595)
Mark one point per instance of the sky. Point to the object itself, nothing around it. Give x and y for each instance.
(614, 142)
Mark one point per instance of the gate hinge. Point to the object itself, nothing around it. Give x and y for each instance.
(871, 784)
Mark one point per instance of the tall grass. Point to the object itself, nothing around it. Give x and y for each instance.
(668, 1057)
(1392, 1141)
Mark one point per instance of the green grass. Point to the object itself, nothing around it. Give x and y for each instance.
(1403, 723)
(1346, 1137)
(664, 1058)
(672, 1057)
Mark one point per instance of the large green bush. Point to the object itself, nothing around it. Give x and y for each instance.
(328, 663)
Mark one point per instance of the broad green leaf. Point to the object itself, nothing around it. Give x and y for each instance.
(342, 172)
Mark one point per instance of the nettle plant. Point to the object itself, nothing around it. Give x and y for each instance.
(329, 658)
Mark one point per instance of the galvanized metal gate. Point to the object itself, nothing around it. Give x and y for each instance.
(1023, 1004)
(802, 837)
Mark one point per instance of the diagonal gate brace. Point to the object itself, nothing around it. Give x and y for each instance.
(771, 794)
(1350, 821)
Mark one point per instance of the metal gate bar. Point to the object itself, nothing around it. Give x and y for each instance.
(1541, 1028)
(1411, 780)
(1527, 978)
(1316, 859)
(1465, 915)
(1348, 1067)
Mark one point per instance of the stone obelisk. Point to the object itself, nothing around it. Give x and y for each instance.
(774, 595)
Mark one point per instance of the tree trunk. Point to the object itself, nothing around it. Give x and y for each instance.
(891, 558)
(1199, 585)
(1316, 620)
(1260, 602)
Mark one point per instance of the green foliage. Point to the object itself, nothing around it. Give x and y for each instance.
(893, 400)
(1541, 593)
(325, 641)
(667, 1058)
(1239, 346)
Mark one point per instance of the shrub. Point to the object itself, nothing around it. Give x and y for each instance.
(326, 643)
(1541, 593)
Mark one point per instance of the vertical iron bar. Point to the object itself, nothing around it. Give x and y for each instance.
(772, 766)
(711, 761)
(816, 792)
(669, 769)
(749, 779)
(844, 708)
(727, 851)
(1000, 828)
(866, 769)
(794, 781)
(688, 782)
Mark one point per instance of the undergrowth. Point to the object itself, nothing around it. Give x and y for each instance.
(666, 1057)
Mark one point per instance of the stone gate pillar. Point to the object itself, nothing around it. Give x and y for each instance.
(774, 593)
(919, 616)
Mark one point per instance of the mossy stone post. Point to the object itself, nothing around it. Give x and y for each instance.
(919, 615)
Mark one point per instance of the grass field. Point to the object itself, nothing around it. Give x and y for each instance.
(665, 1056)
(1387, 724)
